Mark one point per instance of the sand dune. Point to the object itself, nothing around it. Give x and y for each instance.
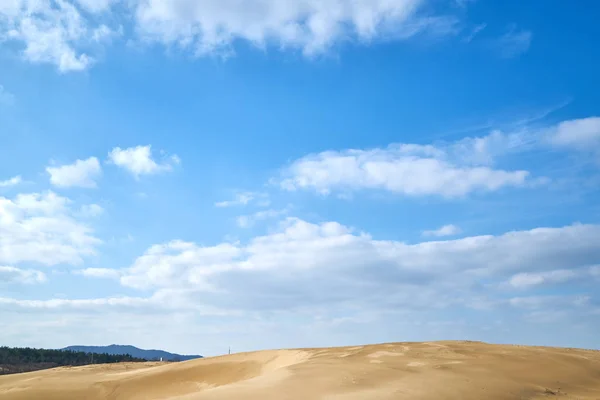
(440, 370)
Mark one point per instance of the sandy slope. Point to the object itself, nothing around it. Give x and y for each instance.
(440, 370)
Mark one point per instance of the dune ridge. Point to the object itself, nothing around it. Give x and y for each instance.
(429, 370)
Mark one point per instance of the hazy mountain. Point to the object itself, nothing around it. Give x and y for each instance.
(150, 355)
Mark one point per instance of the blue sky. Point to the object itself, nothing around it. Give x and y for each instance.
(191, 175)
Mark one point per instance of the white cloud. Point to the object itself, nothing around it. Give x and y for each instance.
(245, 198)
(580, 134)
(104, 273)
(525, 280)
(577, 134)
(310, 25)
(50, 33)
(82, 173)
(321, 277)
(528, 280)
(104, 34)
(91, 210)
(408, 169)
(15, 180)
(96, 6)
(538, 302)
(61, 32)
(6, 98)
(14, 275)
(241, 199)
(514, 42)
(161, 301)
(304, 265)
(474, 32)
(452, 169)
(138, 160)
(463, 3)
(81, 304)
(246, 221)
(446, 230)
(41, 228)
(66, 33)
(487, 149)
(162, 265)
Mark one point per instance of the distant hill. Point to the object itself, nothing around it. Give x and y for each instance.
(150, 355)
(16, 360)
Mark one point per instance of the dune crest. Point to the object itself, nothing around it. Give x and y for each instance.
(441, 370)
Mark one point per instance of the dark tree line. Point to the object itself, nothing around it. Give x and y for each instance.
(15, 360)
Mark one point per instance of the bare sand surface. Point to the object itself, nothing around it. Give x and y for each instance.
(440, 370)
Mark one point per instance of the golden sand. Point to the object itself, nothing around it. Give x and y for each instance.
(440, 370)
